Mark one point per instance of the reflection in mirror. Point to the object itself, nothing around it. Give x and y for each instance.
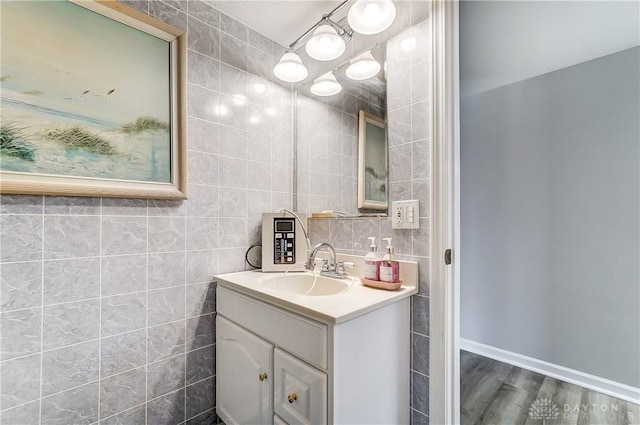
(373, 175)
(370, 93)
(326, 139)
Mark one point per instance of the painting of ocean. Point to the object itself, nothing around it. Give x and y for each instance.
(82, 95)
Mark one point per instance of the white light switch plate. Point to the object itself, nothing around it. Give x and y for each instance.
(405, 214)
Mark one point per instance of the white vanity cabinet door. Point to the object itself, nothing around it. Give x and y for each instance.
(300, 391)
(244, 375)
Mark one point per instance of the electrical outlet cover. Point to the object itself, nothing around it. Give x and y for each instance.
(405, 214)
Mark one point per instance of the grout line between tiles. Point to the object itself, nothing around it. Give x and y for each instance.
(100, 318)
(184, 329)
(146, 333)
(41, 319)
(119, 413)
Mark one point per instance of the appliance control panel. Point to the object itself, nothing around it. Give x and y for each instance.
(284, 245)
(284, 240)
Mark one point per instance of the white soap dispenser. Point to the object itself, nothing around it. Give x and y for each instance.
(372, 262)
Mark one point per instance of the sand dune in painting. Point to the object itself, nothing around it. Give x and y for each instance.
(38, 140)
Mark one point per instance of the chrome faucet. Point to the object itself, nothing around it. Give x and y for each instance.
(330, 268)
(311, 262)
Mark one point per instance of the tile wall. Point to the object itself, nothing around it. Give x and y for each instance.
(107, 305)
(409, 138)
(327, 155)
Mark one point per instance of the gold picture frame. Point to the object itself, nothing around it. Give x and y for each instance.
(93, 101)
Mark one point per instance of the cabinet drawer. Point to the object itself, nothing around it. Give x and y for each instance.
(299, 391)
(304, 338)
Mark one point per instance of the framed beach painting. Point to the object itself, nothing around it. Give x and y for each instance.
(92, 101)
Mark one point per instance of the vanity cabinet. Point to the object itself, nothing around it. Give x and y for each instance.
(246, 375)
(280, 366)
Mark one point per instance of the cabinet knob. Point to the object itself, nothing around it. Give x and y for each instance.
(262, 376)
(292, 397)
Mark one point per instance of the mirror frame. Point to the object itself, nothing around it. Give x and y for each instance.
(365, 118)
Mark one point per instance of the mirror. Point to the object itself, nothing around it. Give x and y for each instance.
(327, 157)
(327, 128)
(373, 171)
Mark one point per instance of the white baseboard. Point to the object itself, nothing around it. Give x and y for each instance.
(592, 382)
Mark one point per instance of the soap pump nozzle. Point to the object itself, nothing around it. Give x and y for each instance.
(389, 247)
(373, 246)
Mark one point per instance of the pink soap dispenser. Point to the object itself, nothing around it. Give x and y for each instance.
(389, 268)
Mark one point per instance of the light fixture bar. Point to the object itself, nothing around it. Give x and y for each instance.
(324, 18)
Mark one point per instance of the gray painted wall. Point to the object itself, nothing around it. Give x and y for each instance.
(550, 217)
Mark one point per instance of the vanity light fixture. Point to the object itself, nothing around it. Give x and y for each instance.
(363, 67)
(290, 68)
(326, 85)
(327, 39)
(325, 44)
(371, 16)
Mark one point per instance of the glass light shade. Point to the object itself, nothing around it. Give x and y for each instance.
(290, 68)
(326, 85)
(325, 44)
(371, 16)
(363, 67)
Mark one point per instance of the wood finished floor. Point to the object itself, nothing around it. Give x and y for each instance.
(496, 393)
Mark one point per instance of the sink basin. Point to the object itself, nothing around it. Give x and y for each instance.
(307, 284)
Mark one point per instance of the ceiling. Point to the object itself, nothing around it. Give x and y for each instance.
(281, 21)
(502, 42)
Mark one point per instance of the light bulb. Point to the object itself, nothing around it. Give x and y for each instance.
(325, 44)
(290, 68)
(371, 10)
(363, 67)
(326, 85)
(371, 16)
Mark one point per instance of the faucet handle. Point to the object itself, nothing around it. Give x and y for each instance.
(325, 265)
(340, 271)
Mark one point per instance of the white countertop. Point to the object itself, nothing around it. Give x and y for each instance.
(332, 309)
